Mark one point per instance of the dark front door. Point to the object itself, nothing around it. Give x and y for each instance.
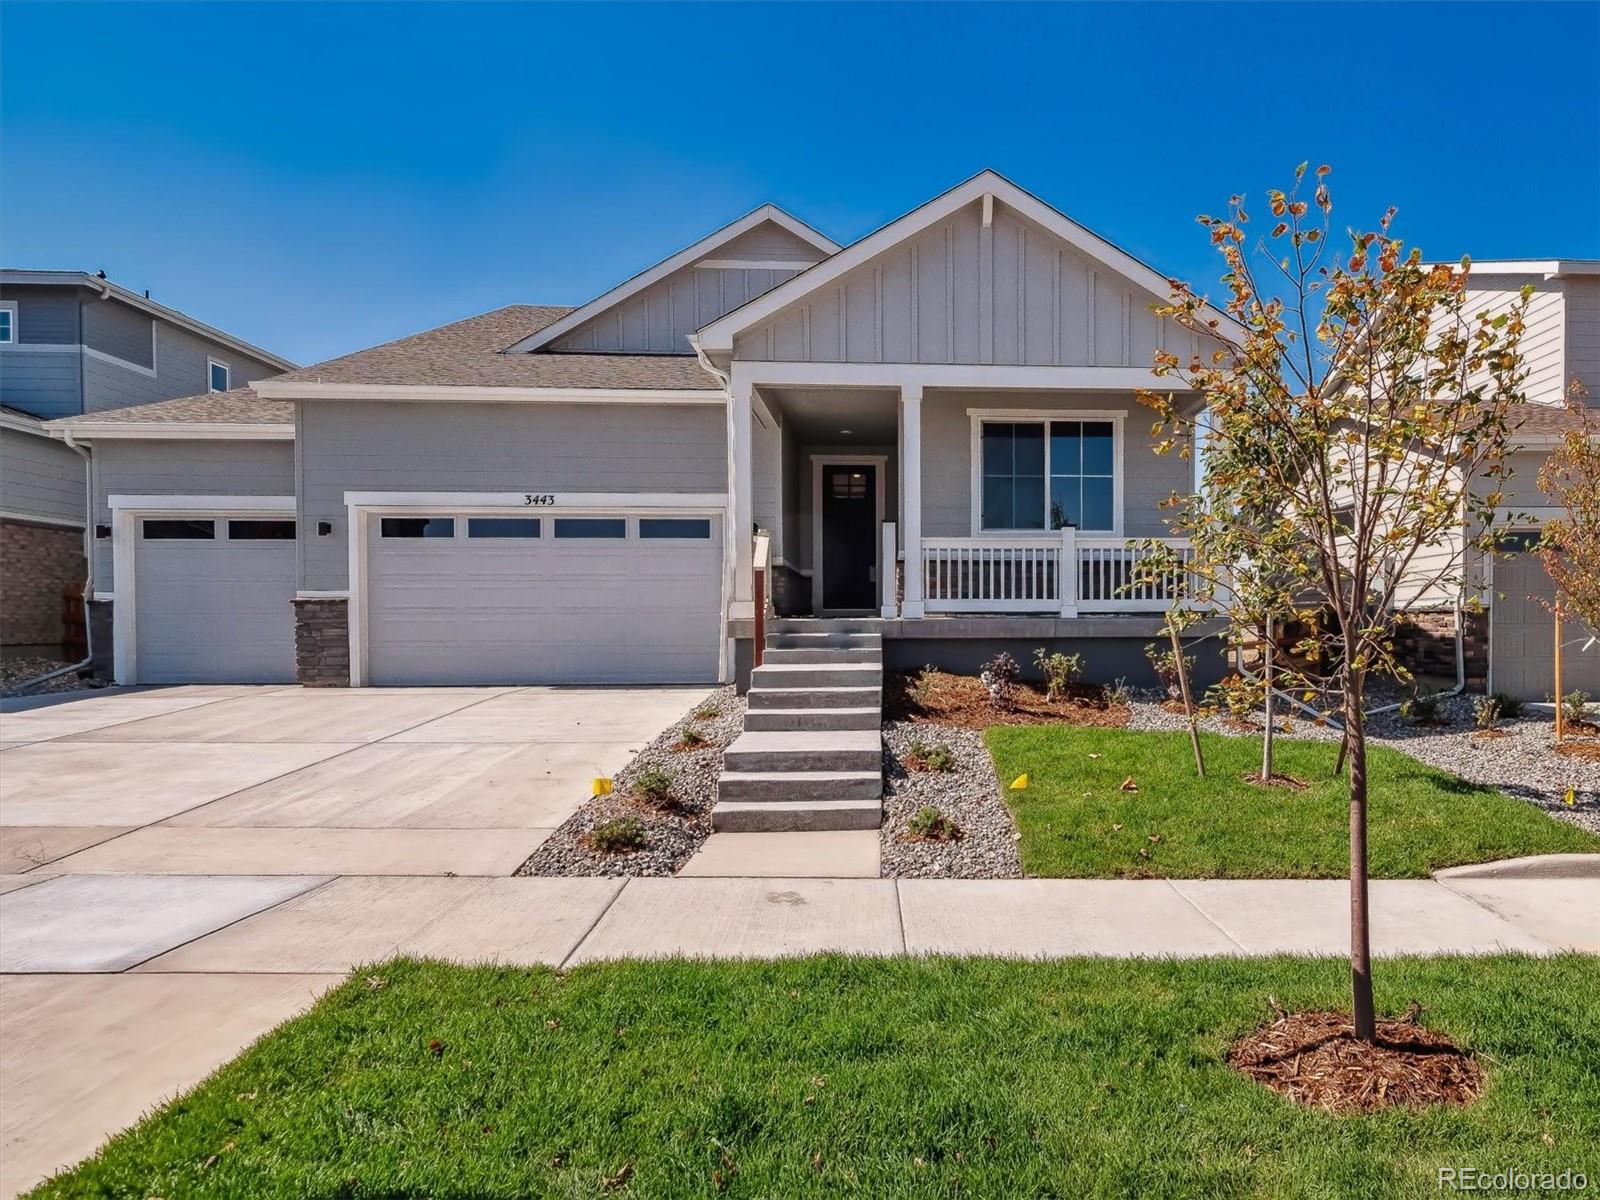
(849, 535)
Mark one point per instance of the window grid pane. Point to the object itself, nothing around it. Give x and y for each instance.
(1013, 475)
(675, 527)
(260, 531)
(417, 527)
(1082, 475)
(502, 527)
(178, 530)
(591, 527)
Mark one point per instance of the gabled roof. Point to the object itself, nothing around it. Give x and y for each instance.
(702, 248)
(471, 354)
(719, 334)
(14, 277)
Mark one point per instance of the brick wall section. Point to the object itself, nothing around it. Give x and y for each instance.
(37, 562)
(1426, 643)
(322, 642)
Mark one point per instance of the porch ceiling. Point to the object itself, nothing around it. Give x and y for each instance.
(822, 415)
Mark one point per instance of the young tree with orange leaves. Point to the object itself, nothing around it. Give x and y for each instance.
(1340, 439)
(1569, 545)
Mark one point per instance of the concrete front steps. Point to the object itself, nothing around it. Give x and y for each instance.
(811, 755)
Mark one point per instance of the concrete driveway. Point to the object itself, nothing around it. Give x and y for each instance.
(136, 823)
(293, 781)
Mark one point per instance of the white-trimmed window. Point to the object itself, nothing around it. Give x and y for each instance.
(8, 322)
(219, 378)
(1047, 473)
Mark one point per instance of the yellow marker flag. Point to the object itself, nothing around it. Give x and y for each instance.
(1571, 798)
(1020, 782)
(601, 786)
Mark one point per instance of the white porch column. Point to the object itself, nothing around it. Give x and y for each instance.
(911, 489)
(741, 508)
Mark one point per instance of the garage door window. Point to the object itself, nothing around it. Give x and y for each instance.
(417, 527)
(502, 527)
(697, 528)
(591, 527)
(261, 531)
(178, 530)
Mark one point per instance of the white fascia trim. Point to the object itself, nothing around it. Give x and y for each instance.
(946, 375)
(177, 431)
(233, 504)
(752, 264)
(719, 334)
(41, 347)
(535, 502)
(9, 514)
(22, 422)
(269, 390)
(333, 594)
(1550, 268)
(125, 513)
(683, 258)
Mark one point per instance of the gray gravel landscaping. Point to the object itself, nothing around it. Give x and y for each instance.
(1522, 763)
(969, 796)
(671, 836)
(16, 671)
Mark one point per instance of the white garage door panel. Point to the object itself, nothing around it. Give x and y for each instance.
(543, 610)
(215, 611)
(1522, 635)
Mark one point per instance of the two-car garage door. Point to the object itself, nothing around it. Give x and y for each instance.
(463, 598)
(1522, 631)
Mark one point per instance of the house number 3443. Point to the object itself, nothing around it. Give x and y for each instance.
(532, 499)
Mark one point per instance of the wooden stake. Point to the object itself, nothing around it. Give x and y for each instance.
(1559, 722)
(1188, 704)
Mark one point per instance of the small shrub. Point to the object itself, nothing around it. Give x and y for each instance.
(931, 825)
(920, 690)
(1510, 706)
(1118, 692)
(1059, 670)
(707, 712)
(1239, 697)
(1575, 707)
(1164, 660)
(999, 677)
(621, 836)
(929, 756)
(655, 785)
(690, 737)
(1420, 706)
(1486, 709)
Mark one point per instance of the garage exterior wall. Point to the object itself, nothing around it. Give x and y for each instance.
(354, 446)
(40, 479)
(182, 468)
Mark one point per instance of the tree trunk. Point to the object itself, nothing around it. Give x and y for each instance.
(1360, 923)
(1266, 675)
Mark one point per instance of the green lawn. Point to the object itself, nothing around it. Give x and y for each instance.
(1222, 827)
(857, 1077)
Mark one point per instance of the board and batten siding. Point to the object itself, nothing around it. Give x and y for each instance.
(766, 442)
(183, 468)
(659, 319)
(1583, 333)
(40, 478)
(353, 446)
(1147, 478)
(1013, 294)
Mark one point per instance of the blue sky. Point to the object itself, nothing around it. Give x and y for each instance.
(319, 177)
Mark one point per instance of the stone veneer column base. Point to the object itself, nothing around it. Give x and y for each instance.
(1426, 644)
(37, 563)
(322, 642)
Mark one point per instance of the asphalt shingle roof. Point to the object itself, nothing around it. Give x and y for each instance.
(468, 354)
(1539, 420)
(237, 406)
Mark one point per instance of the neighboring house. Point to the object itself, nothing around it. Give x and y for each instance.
(937, 427)
(75, 344)
(1500, 624)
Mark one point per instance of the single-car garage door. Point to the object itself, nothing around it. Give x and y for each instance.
(625, 597)
(214, 599)
(1522, 631)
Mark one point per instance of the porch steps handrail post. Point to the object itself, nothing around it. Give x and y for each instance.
(888, 603)
(1067, 572)
(911, 485)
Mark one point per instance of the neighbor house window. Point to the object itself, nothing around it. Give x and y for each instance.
(8, 322)
(220, 375)
(1047, 475)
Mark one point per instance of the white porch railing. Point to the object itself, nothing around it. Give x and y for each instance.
(1025, 575)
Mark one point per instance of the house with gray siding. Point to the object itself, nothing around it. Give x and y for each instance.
(74, 344)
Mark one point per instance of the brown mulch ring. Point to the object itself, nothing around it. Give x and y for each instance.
(1293, 782)
(1314, 1059)
(939, 698)
(1487, 735)
(1581, 729)
(1583, 751)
